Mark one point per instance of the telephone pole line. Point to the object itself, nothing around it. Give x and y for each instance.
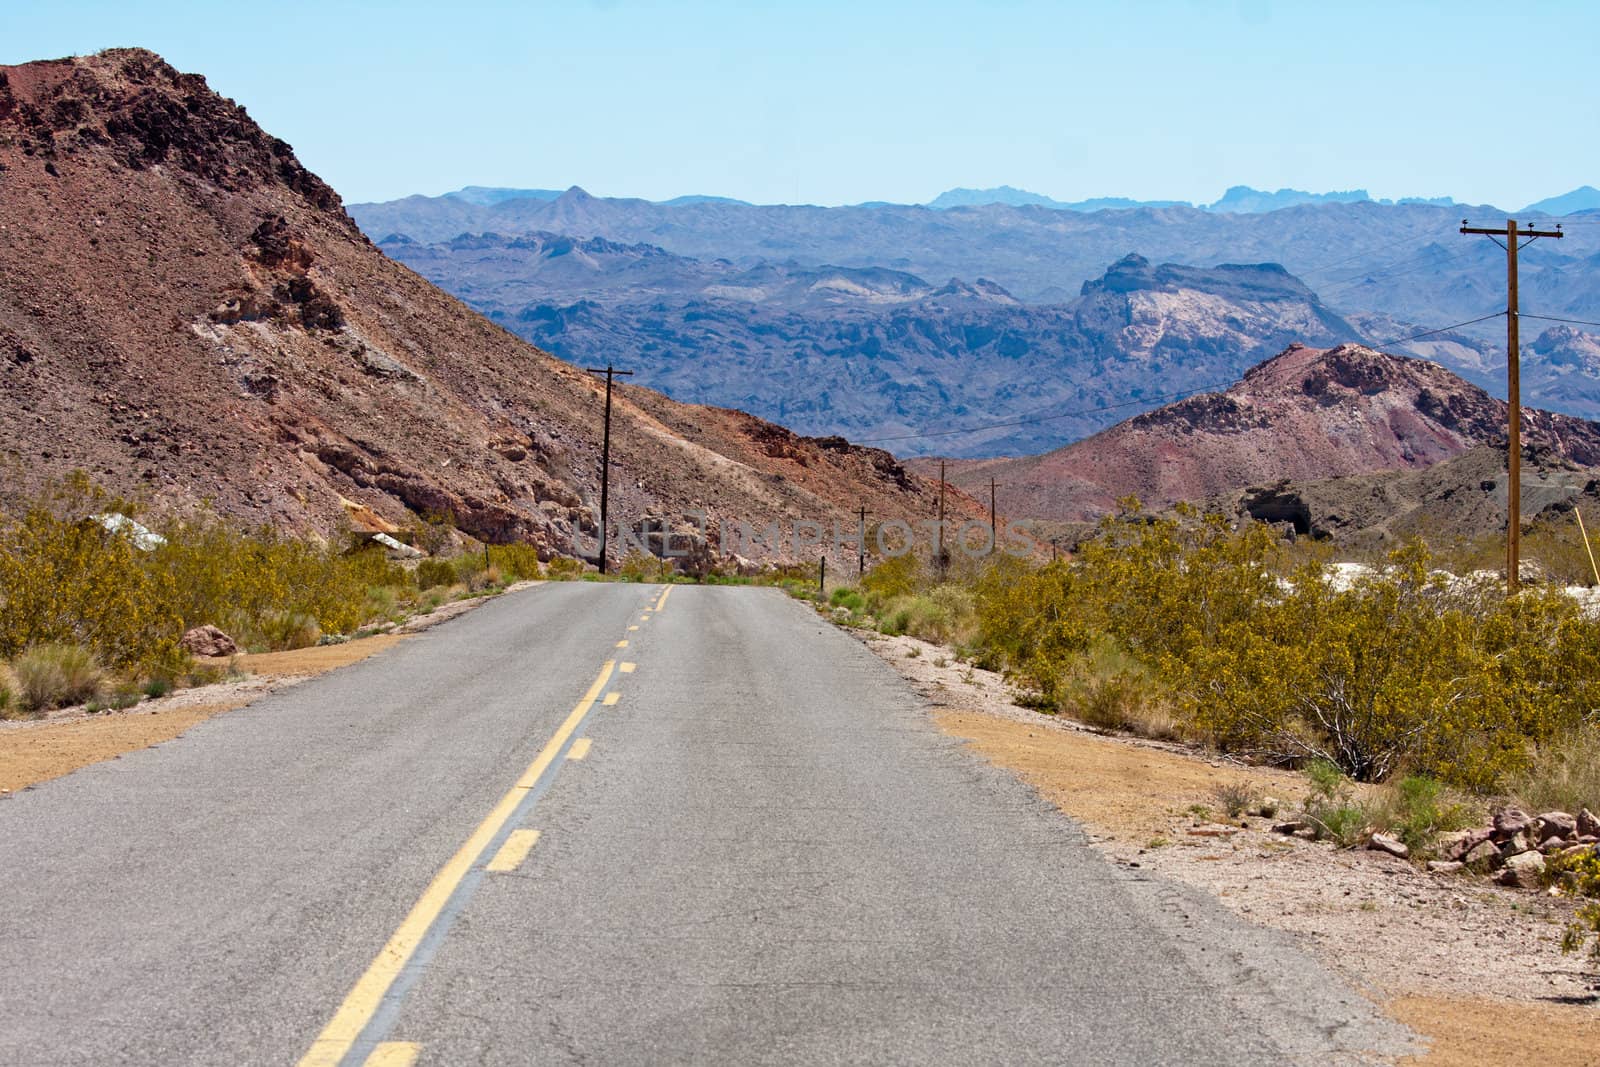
(1512, 234)
(861, 545)
(605, 454)
(938, 537)
(994, 532)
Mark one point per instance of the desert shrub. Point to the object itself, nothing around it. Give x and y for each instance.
(1564, 775)
(849, 599)
(896, 576)
(1235, 798)
(289, 630)
(1578, 875)
(1416, 809)
(520, 562)
(564, 568)
(1331, 809)
(432, 532)
(642, 567)
(56, 675)
(1103, 685)
(431, 573)
(10, 692)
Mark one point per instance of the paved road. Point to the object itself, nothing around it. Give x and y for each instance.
(752, 847)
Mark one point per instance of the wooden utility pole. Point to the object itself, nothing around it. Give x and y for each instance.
(605, 454)
(1512, 235)
(994, 532)
(861, 545)
(938, 535)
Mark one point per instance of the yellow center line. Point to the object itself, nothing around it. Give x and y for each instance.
(622, 644)
(627, 668)
(518, 844)
(611, 699)
(633, 627)
(359, 1005)
(663, 601)
(579, 749)
(394, 1054)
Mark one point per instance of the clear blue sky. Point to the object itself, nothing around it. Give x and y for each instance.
(828, 102)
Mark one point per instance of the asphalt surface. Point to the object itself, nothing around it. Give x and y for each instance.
(766, 854)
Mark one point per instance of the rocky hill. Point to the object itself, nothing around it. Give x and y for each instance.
(1307, 414)
(188, 314)
(876, 353)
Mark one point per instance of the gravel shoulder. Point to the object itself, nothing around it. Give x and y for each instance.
(1475, 968)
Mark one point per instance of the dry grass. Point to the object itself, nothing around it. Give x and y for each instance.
(56, 675)
(1564, 777)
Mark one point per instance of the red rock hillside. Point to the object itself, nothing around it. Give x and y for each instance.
(1305, 414)
(187, 313)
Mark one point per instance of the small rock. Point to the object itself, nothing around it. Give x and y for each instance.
(1588, 839)
(1552, 844)
(207, 641)
(1483, 856)
(1588, 824)
(1288, 827)
(1557, 824)
(1458, 843)
(1392, 845)
(1523, 871)
(1510, 822)
(1515, 846)
(1572, 851)
(1267, 807)
(1445, 866)
(1213, 830)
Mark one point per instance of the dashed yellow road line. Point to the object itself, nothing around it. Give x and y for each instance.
(627, 668)
(514, 851)
(611, 699)
(623, 643)
(363, 1000)
(394, 1054)
(579, 749)
(634, 627)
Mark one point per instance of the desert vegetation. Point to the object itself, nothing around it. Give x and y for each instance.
(89, 615)
(1411, 698)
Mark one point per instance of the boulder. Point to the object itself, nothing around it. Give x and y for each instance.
(1392, 845)
(1483, 856)
(1445, 866)
(1524, 871)
(1588, 824)
(1556, 824)
(1458, 843)
(207, 641)
(1510, 822)
(1515, 846)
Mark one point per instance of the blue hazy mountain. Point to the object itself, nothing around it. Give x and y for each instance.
(1583, 198)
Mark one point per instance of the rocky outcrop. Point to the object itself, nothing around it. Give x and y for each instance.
(1305, 415)
(188, 315)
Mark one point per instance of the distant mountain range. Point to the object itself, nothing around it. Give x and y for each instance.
(1239, 199)
(878, 354)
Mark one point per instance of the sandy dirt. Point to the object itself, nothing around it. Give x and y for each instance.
(1475, 968)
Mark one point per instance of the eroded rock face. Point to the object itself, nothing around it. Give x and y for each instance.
(198, 319)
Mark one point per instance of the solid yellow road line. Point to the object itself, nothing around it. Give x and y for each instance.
(611, 699)
(363, 999)
(623, 643)
(663, 601)
(394, 1054)
(579, 749)
(627, 668)
(514, 851)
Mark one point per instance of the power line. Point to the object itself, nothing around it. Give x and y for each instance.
(1047, 418)
(1442, 329)
(1552, 318)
